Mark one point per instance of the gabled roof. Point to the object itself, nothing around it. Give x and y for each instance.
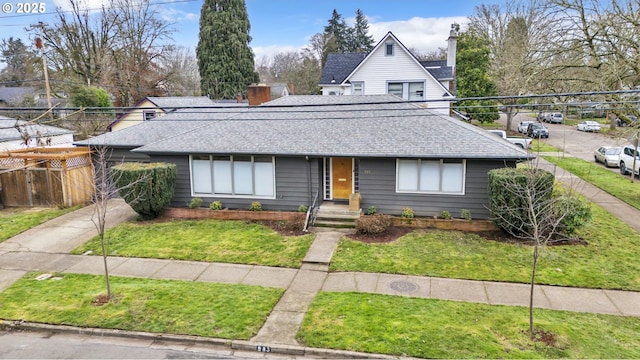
(16, 94)
(363, 126)
(8, 132)
(340, 66)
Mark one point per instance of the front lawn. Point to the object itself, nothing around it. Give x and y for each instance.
(613, 183)
(157, 306)
(204, 240)
(611, 260)
(13, 221)
(429, 328)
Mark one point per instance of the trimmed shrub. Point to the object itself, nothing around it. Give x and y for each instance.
(216, 205)
(407, 213)
(372, 210)
(575, 211)
(373, 224)
(303, 208)
(195, 203)
(147, 187)
(444, 214)
(511, 190)
(465, 214)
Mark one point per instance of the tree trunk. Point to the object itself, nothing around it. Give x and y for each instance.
(533, 281)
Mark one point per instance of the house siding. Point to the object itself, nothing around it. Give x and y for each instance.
(118, 155)
(292, 184)
(378, 188)
(380, 69)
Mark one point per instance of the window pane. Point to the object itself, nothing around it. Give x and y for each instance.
(416, 91)
(242, 179)
(389, 49)
(395, 89)
(452, 177)
(263, 176)
(201, 176)
(430, 176)
(357, 89)
(408, 175)
(222, 176)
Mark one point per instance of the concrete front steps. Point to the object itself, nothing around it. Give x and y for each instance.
(336, 216)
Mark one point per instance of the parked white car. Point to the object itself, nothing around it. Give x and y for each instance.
(523, 126)
(626, 160)
(608, 155)
(592, 126)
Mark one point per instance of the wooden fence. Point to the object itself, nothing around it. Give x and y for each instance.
(46, 177)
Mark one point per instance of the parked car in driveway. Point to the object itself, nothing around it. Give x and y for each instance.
(626, 160)
(523, 126)
(608, 155)
(555, 118)
(537, 131)
(591, 126)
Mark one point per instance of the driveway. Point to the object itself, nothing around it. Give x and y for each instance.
(579, 144)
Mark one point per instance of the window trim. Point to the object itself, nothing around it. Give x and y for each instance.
(232, 195)
(353, 86)
(405, 88)
(441, 163)
(389, 46)
(148, 115)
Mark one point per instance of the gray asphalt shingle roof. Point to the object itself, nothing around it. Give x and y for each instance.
(8, 132)
(313, 125)
(340, 65)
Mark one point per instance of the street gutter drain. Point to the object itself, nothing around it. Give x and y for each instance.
(403, 286)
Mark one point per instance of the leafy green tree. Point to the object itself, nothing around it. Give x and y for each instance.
(225, 60)
(473, 77)
(362, 41)
(90, 96)
(21, 63)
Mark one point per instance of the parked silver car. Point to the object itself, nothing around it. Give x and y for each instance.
(592, 126)
(556, 118)
(608, 155)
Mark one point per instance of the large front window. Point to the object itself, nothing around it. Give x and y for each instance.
(407, 90)
(430, 176)
(244, 176)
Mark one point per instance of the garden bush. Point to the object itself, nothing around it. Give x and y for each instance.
(216, 205)
(147, 187)
(373, 224)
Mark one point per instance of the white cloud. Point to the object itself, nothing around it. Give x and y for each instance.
(260, 51)
(423, 34)
(83, 4)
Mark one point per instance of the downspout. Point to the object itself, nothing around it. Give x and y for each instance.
(309, 184)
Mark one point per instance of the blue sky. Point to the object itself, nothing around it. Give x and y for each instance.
(287, 25)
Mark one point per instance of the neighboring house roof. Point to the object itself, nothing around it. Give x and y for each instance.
(166, 104)
(438, 68)
(12, 95)
(339, 66)
(364, 126)
(8, 132)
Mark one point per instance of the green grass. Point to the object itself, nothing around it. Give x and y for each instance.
(611, 260)
(542, 146)
(157, 306)
(613, 183)
(13, 221)
(428, 328)
(204, 240)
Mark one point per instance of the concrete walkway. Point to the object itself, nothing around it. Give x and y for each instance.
(46, 248)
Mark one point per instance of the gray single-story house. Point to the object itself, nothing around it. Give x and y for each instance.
(291, 150)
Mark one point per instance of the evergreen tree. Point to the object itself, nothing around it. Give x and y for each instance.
(362, 41)
(21, 63)
(339, 32)
(472, 74)
(225, 59)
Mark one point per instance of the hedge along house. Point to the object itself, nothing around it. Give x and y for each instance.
(282, 153)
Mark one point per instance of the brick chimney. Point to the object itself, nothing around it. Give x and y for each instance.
(258, 94)
(239, 98)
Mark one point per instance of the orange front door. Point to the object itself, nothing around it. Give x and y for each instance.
(341, 177)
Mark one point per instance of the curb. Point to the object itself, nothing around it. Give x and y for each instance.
(243, 345)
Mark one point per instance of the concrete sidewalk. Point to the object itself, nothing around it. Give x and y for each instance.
(46, 248)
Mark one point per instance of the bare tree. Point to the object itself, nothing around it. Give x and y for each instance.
(104, 189)
(524, 205)
(181, 68)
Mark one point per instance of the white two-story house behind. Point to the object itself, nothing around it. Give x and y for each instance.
(390, 68)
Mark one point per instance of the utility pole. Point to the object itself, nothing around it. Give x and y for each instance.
(40, 46)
